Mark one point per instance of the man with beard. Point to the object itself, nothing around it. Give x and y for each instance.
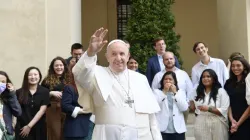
(207, 62)
(155, 63)
(183, 79)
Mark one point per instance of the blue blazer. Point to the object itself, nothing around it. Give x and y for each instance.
(73, 127)
(153, 67)
(11, 107)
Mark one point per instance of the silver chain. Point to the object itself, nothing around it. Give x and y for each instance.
(127, 93)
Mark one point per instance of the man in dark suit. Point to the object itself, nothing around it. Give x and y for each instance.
(155, 63)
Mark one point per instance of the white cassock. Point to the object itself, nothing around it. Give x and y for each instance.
(106, 99)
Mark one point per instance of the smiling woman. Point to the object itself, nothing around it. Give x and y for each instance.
(239, 109)
(34, 100)
(211, 104)
(58, 76)
(132, 64)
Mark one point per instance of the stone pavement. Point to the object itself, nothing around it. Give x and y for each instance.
(190, 129)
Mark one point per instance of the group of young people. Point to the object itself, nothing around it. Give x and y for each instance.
(126, 104)
(45, 108)
(216, 93)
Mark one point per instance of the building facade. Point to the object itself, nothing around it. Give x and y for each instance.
(33, 32)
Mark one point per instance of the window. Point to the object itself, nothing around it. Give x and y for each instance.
(123, 13)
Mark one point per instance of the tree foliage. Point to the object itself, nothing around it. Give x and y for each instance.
(149, 20)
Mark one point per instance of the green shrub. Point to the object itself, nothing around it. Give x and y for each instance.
(149, 20)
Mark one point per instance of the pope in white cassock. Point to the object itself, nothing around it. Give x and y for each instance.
(121, 100)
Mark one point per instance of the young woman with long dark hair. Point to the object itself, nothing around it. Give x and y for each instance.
(211, 106)
(173, 103)
(34, 100)
(239, 109)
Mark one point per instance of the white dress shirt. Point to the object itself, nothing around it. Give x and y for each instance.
(222, 102)
(160, 59)
(183, 80)
(215, 64)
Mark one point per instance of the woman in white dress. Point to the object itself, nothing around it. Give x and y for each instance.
(211, 106)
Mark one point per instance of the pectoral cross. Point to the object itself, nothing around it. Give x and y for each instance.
(129, 102)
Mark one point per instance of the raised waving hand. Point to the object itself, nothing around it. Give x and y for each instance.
(97, 42)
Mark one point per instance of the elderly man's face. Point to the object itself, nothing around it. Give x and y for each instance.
(117, 56)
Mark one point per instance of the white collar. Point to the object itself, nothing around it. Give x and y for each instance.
(211, 60)
(119, 73)
(207, 94)
(159, 56)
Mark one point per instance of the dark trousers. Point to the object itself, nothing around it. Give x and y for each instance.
(173, 136)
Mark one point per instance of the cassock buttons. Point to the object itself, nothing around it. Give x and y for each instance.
(122, 135)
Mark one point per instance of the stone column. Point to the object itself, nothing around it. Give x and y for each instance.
(248, 27)
(22, 33)
(75, 21)
(63, 27)
(33, 32)
(233, 24)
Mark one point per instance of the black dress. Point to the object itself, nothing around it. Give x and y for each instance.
(35, 101)
(238, 103)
